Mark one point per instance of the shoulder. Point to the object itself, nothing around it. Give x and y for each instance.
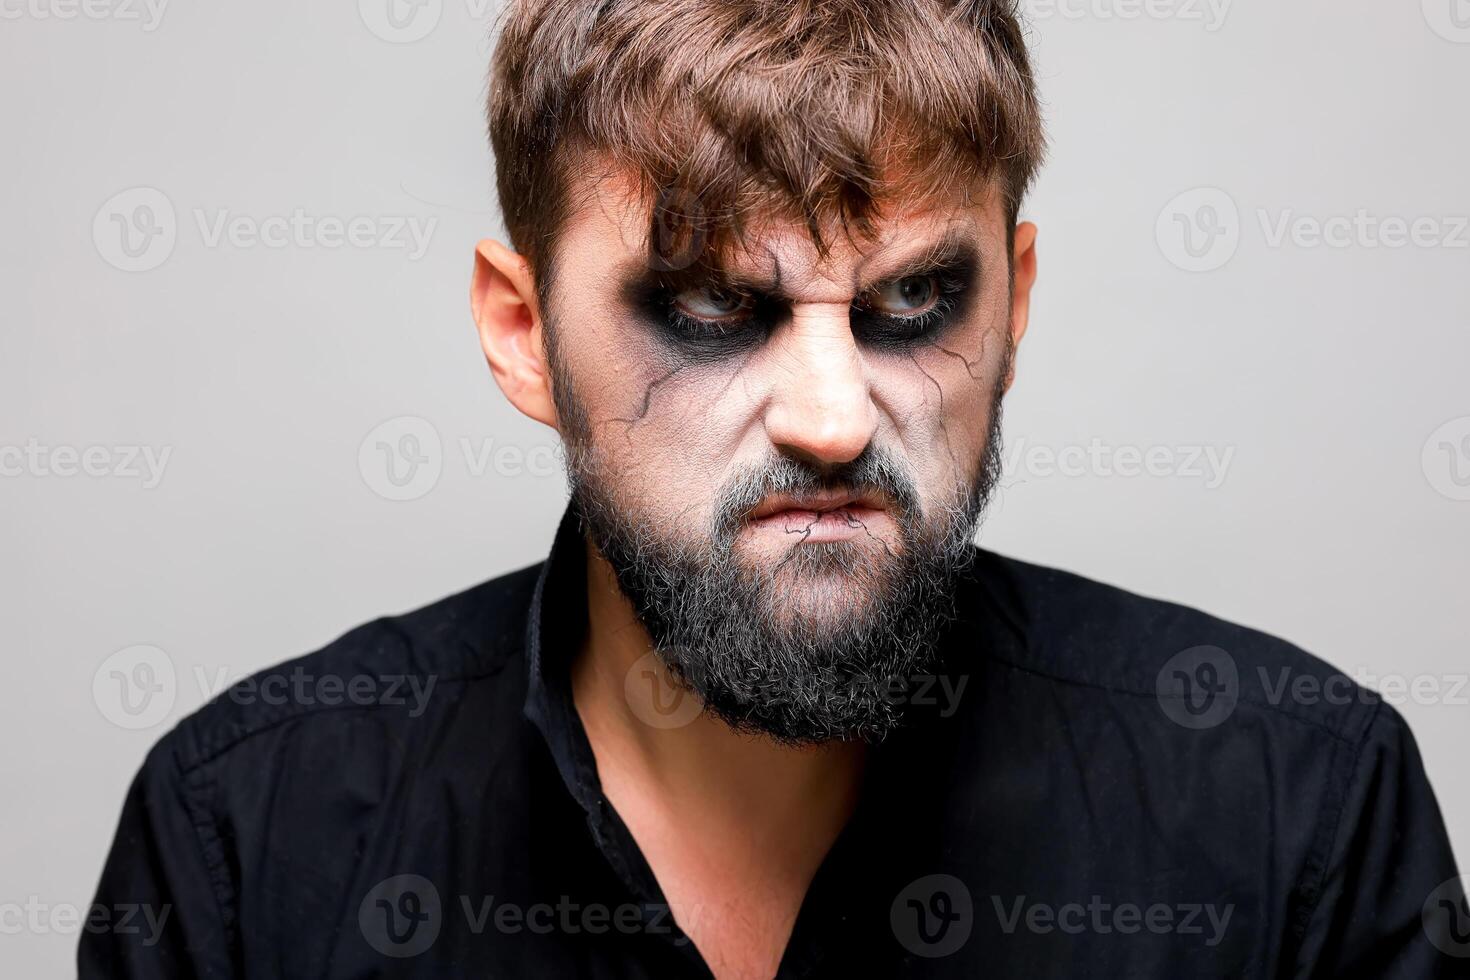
(1198, 668)
(387, 672)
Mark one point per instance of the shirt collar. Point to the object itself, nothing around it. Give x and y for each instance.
(555, 629)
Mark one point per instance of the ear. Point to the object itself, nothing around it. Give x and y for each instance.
(1023, 275)
(503, 301)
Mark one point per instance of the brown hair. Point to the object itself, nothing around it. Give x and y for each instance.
(719, 110)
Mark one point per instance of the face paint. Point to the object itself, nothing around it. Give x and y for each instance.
(784, 461)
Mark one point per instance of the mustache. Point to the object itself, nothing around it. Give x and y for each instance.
(875, 471)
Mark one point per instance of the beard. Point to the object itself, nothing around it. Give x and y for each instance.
(821, 644)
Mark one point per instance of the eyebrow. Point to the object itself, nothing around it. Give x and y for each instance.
(954, 249)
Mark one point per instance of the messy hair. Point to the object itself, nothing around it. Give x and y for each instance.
(720, 112)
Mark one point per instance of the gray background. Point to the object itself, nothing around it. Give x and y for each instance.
(1334, 376)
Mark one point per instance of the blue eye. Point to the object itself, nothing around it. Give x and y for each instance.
(909, 296)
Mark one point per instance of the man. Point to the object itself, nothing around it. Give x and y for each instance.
(766, 710)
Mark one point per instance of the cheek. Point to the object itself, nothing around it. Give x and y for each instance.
(665, 432)
(940, 398)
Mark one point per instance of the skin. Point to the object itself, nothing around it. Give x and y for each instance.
(735, 826)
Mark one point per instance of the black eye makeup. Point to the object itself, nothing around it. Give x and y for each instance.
(917, 307)
(703, 321)
(710, 317)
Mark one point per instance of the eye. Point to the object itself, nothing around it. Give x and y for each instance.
(909, 296)
(711, 303)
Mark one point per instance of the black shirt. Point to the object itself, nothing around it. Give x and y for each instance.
(1097, 784)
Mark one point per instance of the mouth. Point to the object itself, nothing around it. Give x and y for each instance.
(821, 517)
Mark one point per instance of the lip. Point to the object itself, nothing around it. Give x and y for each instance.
(821, 517)
(780, 505)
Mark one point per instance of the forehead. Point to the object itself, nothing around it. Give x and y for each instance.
(611, 233)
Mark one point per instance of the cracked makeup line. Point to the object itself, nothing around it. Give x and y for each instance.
(647, 401)
(851, 519)
(943, 425)
(736, 372)
(969, 365)
(869, 532)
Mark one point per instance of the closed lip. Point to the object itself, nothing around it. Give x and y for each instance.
(820, 503)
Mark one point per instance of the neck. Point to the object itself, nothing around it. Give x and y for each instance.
(648, 744)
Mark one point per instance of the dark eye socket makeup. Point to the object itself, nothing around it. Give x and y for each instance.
(710, 315)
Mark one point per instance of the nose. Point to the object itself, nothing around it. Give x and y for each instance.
(820, 406)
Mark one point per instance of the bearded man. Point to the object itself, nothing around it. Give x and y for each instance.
(766, 710)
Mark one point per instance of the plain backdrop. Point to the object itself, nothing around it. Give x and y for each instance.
(208, 262)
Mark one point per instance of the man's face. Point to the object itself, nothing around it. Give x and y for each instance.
(784, 464)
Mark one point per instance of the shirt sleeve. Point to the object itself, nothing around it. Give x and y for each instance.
(1379, 911)
(158, 910)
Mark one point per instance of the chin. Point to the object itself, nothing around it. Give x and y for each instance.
(774, 551)
(826, 585)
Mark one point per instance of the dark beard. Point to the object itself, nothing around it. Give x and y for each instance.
(841, 670)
